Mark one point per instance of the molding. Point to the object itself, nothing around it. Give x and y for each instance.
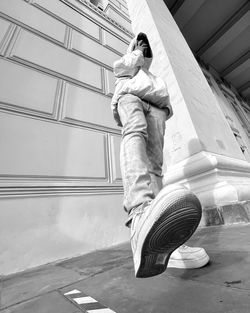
(88, 125)
(93, 60)
(55, 74)
(175, 7)
(11, 107)
(31, 29)
(119, 12)
(244, 86)
(223, 29)
(203, 162)
(47, 70)
(112, 161)
(235, 64)
(102, 14)
(10, 36)
(216, 179)
(7, 37)
(40, 191)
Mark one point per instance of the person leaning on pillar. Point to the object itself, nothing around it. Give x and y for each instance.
(161, 219)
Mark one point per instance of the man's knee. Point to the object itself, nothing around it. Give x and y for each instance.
(130, 109)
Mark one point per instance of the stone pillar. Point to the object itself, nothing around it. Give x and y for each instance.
(200, 149)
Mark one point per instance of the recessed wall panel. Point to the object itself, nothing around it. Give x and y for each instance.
(33, 17)
(4, 25)
(115, 142)
(113, 42)
(41, 52)
(66, 13)
(93, 49)
(110, 82)
(81, 104)
(112, 13)
(32, 147)
(21, 87)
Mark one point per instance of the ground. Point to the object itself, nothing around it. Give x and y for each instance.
(107, 276)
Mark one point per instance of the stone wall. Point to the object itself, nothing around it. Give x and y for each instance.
(61, 190)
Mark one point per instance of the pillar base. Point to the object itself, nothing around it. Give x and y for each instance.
(226, 214)
(217, 180)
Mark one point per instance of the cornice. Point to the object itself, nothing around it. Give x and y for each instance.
(103, 15)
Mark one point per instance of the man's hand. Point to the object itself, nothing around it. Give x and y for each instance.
(142, 46)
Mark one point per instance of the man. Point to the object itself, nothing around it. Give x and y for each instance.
(161, 219)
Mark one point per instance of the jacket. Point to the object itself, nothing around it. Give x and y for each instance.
(133, 77)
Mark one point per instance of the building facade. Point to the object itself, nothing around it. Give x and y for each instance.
(61, 189)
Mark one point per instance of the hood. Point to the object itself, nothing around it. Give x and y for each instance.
(131, 48)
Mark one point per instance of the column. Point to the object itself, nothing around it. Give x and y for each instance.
(200, 149)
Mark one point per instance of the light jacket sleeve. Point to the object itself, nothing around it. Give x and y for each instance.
(128, 64)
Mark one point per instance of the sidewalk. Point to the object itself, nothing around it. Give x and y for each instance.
(107, 276)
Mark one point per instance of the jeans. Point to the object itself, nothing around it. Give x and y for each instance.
(141, 155)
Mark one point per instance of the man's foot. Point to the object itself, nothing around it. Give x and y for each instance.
(161, 227)
(188, 257)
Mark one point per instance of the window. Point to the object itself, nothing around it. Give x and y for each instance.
(97, 3)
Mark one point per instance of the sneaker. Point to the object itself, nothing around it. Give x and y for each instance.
(161, 227)
(187, 257)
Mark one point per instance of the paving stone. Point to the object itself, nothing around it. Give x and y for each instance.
(29, 284)
(120, 291)
(49, 303)
(108, 276)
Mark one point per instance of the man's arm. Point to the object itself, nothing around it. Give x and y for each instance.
(127, 65)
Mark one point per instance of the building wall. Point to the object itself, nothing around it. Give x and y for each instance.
(235, 111)
(61, 191)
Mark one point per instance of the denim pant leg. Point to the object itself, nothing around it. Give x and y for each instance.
(133, 156)
(156, 119)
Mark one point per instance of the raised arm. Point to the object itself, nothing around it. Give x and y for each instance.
(129, 64)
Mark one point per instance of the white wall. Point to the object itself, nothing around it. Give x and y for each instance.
(61, 191)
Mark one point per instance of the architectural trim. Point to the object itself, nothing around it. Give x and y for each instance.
(96, 10)
(244, 87)
(20, 192)
(235, 64)
(223, 29)
(216, 179)
(175, 7)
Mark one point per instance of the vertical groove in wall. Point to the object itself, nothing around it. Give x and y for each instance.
(9, 40)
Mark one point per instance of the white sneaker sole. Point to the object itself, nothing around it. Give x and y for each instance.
(175, 216)
(188, 264)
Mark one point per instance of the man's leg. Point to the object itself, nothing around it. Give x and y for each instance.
(184, 256)
(155, 221)
(156, 119)
(133, 155)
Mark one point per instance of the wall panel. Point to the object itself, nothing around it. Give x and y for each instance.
(101, 18)
(60, 181)
(110, 82)
(36, 50)
(33, 17)
(115, 157)
(113, 42)
(23, 88)
(93, 49)
(4, 25)
(65, 13)
(83, 105)
(31, 147)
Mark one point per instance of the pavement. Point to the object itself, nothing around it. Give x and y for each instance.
(103, 281)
